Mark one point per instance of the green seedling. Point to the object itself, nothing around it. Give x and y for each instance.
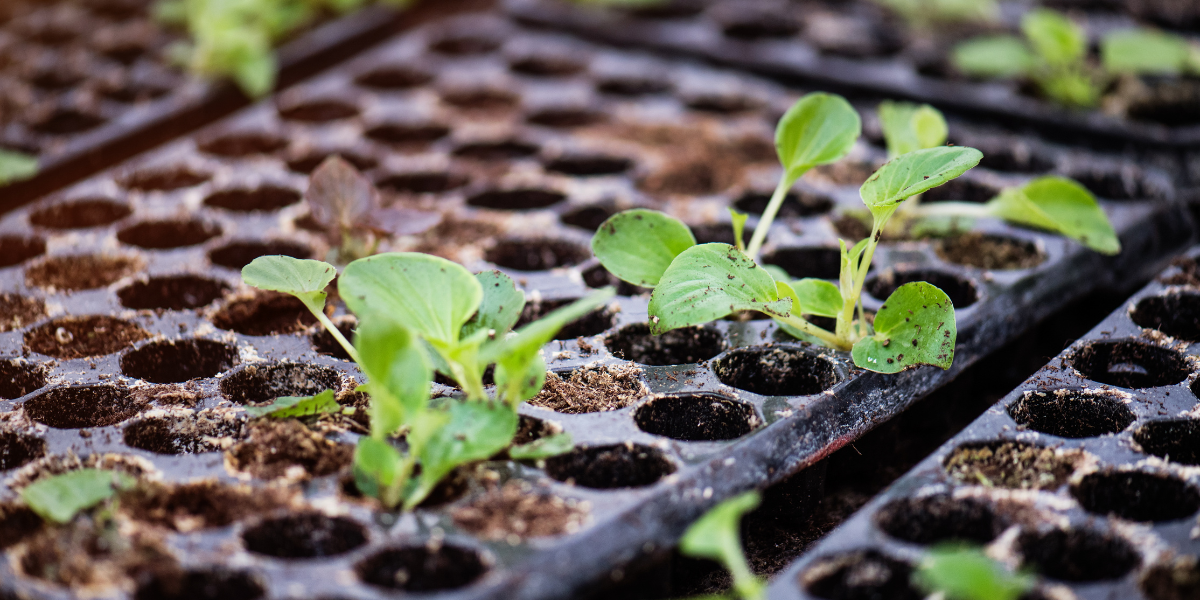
(236, 38)
(347, 205)
(695, 284)
(15, 166)
(958, 573)
(1149, 52)
(290, 407)
(417, 314)
(1053, 54)
(924, 14)
(1055, 204)
(60, 497)
(716, 536)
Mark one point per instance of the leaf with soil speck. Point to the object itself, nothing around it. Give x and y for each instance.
(876, 353)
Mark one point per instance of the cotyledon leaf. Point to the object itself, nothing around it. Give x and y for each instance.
(638, 245)
(915, 326)
(427, 294)
(915, 173)
(501, 306)
(708, 282)
(304, 279)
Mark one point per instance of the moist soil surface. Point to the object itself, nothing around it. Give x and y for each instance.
(17, 311)
(591, 389)
(1188, 274)
(287, 449)
(989, 252)
(79, 337)
(1011, 465)
(198, 505)
(90, 553)
(267, 313)
(517, 511)
(73, 273)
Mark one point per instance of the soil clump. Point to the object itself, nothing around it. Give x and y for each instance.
(591, 389)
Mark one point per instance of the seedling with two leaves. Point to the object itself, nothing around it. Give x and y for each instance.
(1048, 203)
(695, 284)
(419, 313)
(1053, 54)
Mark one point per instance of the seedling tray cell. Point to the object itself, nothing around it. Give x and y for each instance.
(88, 82)
(505, 147)
(1085, 474)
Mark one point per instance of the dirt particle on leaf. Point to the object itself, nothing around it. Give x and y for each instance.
(591, 389)
(516, 511)
(289, 449)
(1012, 465)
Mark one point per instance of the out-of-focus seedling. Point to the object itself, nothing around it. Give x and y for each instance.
(960, 573)
(60, 497)
(1053, 54)
(15, 166)
(716, 536)
(1149, 52)
(924, 14)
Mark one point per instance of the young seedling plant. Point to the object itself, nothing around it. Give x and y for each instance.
(695, 284)
(419, 313)
(1049, 203)
(716, 536)
(966, 573)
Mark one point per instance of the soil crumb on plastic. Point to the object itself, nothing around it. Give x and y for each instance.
(17, 311)
(185, 396)
(1175, 580)
(591, 389)
(1012, 465)
(517, 511)
(198, 505)
(94, 555)
(73, 273)
(1188, 273)
(287, 449)
(79, 337)
(991, 252)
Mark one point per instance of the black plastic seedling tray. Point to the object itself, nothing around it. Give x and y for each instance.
(505, 146)
(853, 46)
(88, 82)
(1109, 508)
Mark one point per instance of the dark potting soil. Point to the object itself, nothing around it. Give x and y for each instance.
(17, 311)
(265, 313)
(518, 510)
(1178, 579)
(79, 337)
(199, 505)
(287, 448)
(591, 389)
(989, 252)
(1012, 465)
(87, 554)
(17, 522)
(1186, 272)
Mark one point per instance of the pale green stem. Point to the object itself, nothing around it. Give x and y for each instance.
(768, 216)
(862, 321)
(829, 339)
(336, 333)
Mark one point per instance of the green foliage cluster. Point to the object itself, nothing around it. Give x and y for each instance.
(964, 573)
(236, 38)
(419, 314)
(1054, 55)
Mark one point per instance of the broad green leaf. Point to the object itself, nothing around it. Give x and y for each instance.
(378, 470)
(304, 279)
(15, 166)
(554, 445)
(60, 497)
(915, 326)
(708, 282)
(785, 292)
(1058, 204)
(817, 297)
(501, 306)
(1057, 39)
(738, 220)
(1144, 51)
(520, 368)
(717, 536)
(777, 272)
(968, 574)
(286, 407)
(475, 431)
(397, 369)
(909, 127)
(915, 173)
(818, 129)
(993, 56)
(638, 245)
(431, 296)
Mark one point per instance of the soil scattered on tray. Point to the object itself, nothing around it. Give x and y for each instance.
(184, 431)
(184, 396)
(989, 252)
(287, 449)
(73, 273)
(591, 389)
(198, 505)
(93, 554)
(516, 511)
(1012, 465)
(1175, 580)
(17, 311)
(1188, 273)
(79, 337)
(265, 313)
